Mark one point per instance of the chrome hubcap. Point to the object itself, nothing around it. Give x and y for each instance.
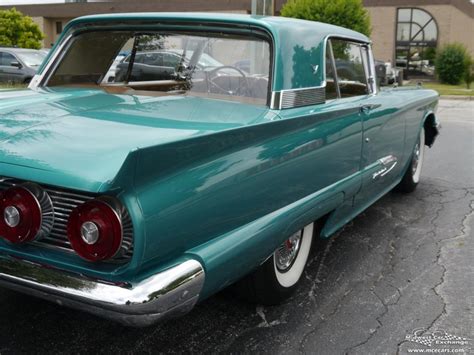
(416, 158)
(286, 254)
(11, 216)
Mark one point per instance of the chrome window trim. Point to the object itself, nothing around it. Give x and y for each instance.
(276, 96)
(366, 66)
(40, 79)
(372, 77)
(333, 65)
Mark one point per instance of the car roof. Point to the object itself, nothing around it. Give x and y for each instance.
(290, 24)
(299, 45)
(17, 50)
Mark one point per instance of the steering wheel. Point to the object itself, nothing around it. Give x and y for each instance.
(241, 90)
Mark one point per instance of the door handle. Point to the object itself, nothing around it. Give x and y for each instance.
(365, 109)
(368, 107)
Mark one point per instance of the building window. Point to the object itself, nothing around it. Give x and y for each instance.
(417, 37)
(59, 27)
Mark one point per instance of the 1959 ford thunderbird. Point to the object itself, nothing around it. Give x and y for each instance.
(157, 158)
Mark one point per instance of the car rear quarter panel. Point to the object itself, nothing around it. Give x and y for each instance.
(231, 198)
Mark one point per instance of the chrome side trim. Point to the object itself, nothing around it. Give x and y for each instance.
(389, 162)
(285, 99)
(142, 83)
(169, 293)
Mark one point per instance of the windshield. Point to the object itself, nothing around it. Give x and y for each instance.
(217, 65)
(32, 59)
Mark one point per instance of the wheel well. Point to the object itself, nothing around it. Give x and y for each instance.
(430, 129)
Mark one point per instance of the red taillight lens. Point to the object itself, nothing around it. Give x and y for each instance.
(20, 221)
(95, 230)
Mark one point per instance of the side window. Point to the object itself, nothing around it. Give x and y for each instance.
(171, 60)
(331, 89)
(6, 59)
(351, 74)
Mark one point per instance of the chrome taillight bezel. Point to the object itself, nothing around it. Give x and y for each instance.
(63, 202)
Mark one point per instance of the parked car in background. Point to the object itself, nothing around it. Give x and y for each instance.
(161, 64)
(386, 74)
(136, 199)
(18, 65)
(391, 74)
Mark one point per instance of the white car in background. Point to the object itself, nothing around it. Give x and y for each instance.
(110, 76)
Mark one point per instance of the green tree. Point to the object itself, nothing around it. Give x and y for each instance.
(345, 13)
(19, 30)
(452, 62)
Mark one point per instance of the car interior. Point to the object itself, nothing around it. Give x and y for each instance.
(206, 65)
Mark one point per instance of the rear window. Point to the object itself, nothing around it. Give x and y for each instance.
(217, 65)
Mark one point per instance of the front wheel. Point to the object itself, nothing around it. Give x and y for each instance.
(276, 279)
(412, 175)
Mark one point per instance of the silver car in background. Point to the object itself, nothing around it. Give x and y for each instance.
(18, 65)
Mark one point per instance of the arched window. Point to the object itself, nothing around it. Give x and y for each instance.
(417, 37)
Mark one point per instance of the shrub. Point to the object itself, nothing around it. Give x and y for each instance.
(345, 13)
(451, 63)
(19, 30)
(469, 74)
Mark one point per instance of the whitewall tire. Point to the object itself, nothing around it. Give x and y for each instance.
(413, 173)
(278, 277)
(288, 275)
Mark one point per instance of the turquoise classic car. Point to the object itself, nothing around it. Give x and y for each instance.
(212, 153)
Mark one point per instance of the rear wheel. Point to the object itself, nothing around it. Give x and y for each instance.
(276, 279)
(412, 175)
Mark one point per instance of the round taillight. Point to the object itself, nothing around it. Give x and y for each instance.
(21, 217)
(95, 230)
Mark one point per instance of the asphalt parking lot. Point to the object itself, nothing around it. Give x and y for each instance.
(404, 264)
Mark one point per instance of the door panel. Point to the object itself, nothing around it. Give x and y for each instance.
(383, 148)
(337, 128)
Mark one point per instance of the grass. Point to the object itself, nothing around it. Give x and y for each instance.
(445, 89)
(5, 86)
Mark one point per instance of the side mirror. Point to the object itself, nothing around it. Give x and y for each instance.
(16, 65)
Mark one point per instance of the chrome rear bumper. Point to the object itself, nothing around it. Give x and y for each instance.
(170, 293)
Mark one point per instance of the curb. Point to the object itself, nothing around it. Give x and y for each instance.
(456, 97)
